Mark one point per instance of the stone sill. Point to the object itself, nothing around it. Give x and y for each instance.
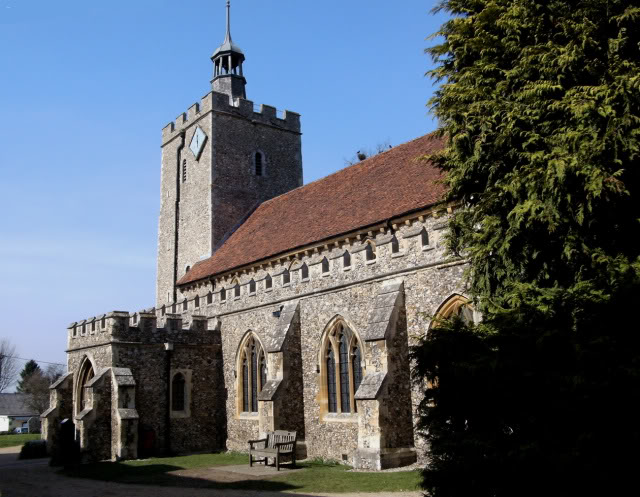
(346, 268)
(340, 418)
(373, 261)
(427, 248)
(326, 275)
(249, 416)
(306, 280)
(399, 254)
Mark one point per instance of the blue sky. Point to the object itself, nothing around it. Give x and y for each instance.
(86, 87)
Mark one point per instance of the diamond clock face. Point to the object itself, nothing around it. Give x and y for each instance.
(197, 142)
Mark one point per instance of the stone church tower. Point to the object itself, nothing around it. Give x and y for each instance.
(220, 160)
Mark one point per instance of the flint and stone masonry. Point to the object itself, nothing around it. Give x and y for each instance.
(313, 339)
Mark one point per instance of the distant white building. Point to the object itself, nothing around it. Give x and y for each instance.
(15, 412)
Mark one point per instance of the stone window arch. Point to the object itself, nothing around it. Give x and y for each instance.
(178, 392)
(341, 368)
(252, 373)
(456, 305)
(85, 375)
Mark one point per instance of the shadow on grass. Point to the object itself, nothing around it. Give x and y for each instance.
(161, 475)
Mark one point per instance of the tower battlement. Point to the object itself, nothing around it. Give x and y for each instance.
(223, 103)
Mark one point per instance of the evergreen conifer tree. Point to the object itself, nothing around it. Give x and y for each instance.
(541, 105)
(29, 368)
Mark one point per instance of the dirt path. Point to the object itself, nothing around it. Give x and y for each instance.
(34, 478)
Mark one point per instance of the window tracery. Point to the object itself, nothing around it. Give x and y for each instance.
(342, 365)
(253, 373)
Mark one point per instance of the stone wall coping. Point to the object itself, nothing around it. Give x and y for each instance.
(61, 380)
(370, 386)
(269, 390)
(128, 414)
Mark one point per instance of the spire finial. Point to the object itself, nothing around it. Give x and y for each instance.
(228, 36)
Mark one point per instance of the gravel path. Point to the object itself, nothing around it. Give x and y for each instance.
(34, 478)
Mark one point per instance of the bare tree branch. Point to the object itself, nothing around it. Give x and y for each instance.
(8, 364)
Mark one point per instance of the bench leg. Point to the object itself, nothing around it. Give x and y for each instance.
(250, 460)
(277, 463)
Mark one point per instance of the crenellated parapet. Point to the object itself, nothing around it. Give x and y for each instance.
(145, 326)
(222, 103)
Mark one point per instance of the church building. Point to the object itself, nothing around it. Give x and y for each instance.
(279, 306)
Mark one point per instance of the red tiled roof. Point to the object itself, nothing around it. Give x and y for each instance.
(385, 186)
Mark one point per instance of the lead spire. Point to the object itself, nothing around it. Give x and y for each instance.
(228, 36)
(227, 65)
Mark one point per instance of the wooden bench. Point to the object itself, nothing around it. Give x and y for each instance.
(277, 444)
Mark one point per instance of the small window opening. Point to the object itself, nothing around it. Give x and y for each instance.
(236, 290)
(196, 302)
(93, 326)
(395, 246)
(268, 282)
(187, 269)
(103, 323)
(163, 311)
(304, 272)
(346, 259)
(209, 298)
(424, 237)
(173, 308)
(286, 277)
(184, 170)
(258, 159)
(325, 265)
(370, 252)
(185, 305)
(252, 286)
(223, 294)
(177, 392)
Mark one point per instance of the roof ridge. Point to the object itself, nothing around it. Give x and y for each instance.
(360, 163)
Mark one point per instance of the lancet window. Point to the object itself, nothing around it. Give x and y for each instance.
(342, 364)
(178, 392)
(253, 373)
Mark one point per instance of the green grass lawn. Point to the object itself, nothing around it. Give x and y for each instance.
(316, 477)
(14, 440)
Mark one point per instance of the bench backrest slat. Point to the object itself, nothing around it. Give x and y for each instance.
(281, 436)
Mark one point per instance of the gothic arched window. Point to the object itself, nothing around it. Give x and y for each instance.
(268, 282)
(252, 286)
(456, 305)
(424, 238)
(346, 259)
(178, 392)
(395, 246)
(370, 252)
(286, 277)
(342, 368)
(325, 265)
(304, 272)
(252, 364)
(86, 375)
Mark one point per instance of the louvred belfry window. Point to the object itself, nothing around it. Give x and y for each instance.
(253, 367)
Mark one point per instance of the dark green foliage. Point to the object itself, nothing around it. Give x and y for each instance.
(29, 368)
(541, 102)
(34, 449)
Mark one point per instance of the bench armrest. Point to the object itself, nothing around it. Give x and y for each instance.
(251, 442)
